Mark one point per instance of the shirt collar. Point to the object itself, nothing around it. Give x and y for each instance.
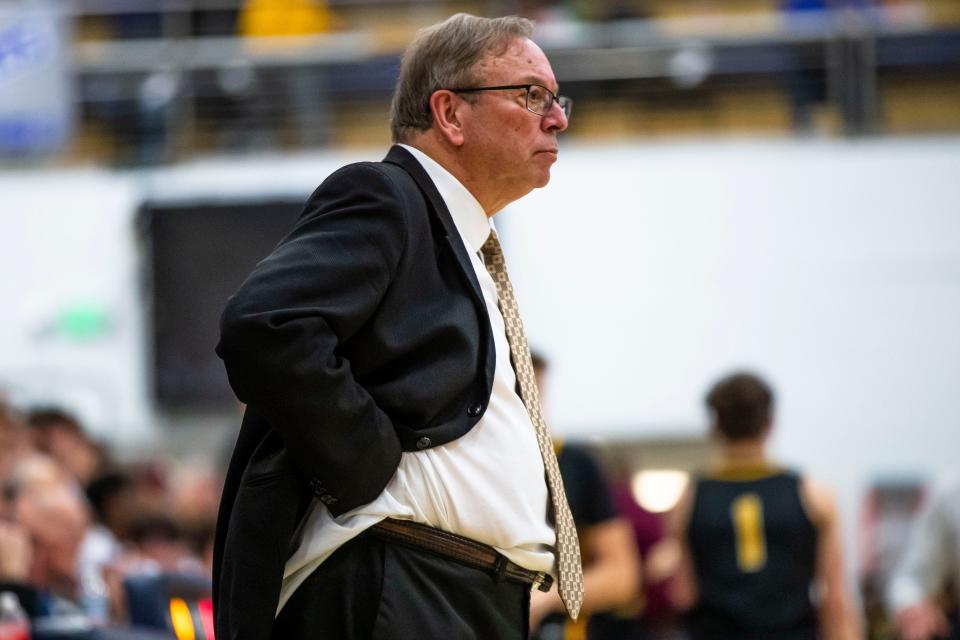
(468, 216)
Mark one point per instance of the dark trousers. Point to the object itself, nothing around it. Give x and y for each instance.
(373, 590)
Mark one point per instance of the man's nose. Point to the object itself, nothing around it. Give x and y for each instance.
(555, 119)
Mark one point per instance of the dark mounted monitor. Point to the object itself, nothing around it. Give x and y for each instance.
(196, 255)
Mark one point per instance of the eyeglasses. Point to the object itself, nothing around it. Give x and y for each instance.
(539, 99)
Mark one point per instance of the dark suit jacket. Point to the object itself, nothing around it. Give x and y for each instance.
(362, 335)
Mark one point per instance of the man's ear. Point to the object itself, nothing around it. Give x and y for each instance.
(445, 106)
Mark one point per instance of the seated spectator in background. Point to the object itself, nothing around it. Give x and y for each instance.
(611, 566)
(931, 563)
(157, 546)
(32, 471)
(60, 435)
(112, 503)
(195, 497)
(756, 539)
(40, 543)
(151, 487)
(159, 540)
(113, 500)
(54, 559)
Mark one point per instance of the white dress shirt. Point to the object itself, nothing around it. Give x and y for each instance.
(488, 484)
(932, 558)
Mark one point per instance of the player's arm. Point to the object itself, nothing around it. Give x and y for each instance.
(838, 620)
(613, 577)
(684, 590)
(611, 566)
(610, 578)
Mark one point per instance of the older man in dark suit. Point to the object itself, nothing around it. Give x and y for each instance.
(393, 477)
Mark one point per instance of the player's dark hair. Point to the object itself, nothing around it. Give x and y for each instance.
(742, 405)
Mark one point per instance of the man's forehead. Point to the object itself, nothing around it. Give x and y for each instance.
(521, 62)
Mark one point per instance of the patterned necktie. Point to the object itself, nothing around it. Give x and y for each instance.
(569, 570)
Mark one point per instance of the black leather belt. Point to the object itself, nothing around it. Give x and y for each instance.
(459, 549)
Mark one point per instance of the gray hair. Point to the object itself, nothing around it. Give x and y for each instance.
(442, 56)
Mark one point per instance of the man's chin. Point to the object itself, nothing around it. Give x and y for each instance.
(543, 164)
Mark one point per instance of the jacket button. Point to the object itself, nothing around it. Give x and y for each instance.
(424, 442)
(474, 410)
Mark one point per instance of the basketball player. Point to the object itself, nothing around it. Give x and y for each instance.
(761, 547)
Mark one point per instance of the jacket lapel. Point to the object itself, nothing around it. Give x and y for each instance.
(402, 158)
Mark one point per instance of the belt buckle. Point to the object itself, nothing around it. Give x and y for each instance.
(541, 581)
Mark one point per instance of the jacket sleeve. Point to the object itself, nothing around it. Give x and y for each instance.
(280, 333)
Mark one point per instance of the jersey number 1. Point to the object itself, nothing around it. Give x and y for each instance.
(747, 514)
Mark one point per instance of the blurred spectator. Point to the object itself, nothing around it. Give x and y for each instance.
(195, 494)
(40, 544)
(756, 539)
(31, 471)
(60, 435)
(195, 498)
(932, 561)
(160, 539)
(55, 519)
(151, 487)
(610, 564)
(112, 499)
(158, 547)
(58, 563)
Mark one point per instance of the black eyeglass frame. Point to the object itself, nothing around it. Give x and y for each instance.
(566, 104)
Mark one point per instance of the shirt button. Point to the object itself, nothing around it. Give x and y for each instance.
(474, 410)
(424, 442)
